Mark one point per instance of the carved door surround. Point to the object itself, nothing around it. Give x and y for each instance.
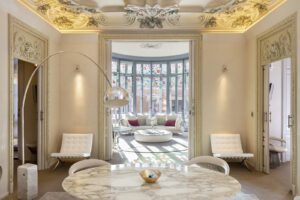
(195, 39)
(278, 43)
(27, 44)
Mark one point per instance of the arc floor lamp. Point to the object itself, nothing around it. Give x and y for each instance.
(114, 97)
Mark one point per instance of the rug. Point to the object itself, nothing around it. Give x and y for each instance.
(66, 196)
(127, 143)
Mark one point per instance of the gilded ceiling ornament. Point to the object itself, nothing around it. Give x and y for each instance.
(152, 16)
(211, 15)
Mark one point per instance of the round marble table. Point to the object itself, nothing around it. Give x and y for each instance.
(122, 182)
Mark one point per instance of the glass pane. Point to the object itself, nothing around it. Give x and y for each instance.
(163, 90)
(115, 79)
(159, 95)
(114, 66)
(156, 69)
(147, 94)
(164, 69)
(138, 68)
(139, 94)
(156, 95)
(187, 66)
(129, 68)
(173, 68)
(179, 93)
(146, 69)
(129, 89)
(123, 67)
(179, 68)
(122, 81)
(173, 94)
(186, 99)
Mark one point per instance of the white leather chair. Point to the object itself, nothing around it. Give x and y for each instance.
(229, 146)
(85, 164)
(210, 162)
(74, 147)
(275, 150)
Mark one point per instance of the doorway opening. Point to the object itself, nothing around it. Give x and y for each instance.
(278, 120)
(154, 127)
(21, 75)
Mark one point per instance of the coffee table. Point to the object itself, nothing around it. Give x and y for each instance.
(153, 135)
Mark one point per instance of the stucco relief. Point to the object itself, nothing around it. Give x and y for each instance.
(27, 47)
(276, 47)
(211, 15)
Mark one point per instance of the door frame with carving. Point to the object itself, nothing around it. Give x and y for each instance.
(27, 44)
(195, 39)
(277, 43)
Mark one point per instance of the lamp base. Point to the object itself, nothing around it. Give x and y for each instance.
(27, 181)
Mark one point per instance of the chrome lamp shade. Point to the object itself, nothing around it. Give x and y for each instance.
(116, 97)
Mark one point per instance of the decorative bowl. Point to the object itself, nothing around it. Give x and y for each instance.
(150, 175)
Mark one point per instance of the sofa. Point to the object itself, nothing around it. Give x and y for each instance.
(172, 122)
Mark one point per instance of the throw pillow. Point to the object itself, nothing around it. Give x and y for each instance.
(151, 121)
(170, 123)
(142, 119)
(133, 122)
(161, 119)
(172, 117)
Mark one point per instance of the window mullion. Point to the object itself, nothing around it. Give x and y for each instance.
(176, 88)
(134, 85)
(151, 86)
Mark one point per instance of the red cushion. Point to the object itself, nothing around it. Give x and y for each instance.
(170, 123)
(133, 122)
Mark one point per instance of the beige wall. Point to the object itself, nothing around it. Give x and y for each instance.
(228, 98)
(20, 12)
(223, 92)
(287, 9)
(79, 90)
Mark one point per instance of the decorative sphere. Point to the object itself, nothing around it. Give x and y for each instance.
(116, 97)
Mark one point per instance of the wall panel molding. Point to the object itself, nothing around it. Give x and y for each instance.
(277, 43)
(27, 44)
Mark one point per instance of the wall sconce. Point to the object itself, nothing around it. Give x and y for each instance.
(224, 68)
(77, 68)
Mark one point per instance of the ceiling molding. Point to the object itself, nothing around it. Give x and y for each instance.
(96, 15)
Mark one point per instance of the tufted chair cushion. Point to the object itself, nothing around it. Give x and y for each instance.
(228, 146)
(226, 143)
(76, 143)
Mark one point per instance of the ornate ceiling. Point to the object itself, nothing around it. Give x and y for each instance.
(205, 15)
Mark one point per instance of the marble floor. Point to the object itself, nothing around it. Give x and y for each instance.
(130, 151)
